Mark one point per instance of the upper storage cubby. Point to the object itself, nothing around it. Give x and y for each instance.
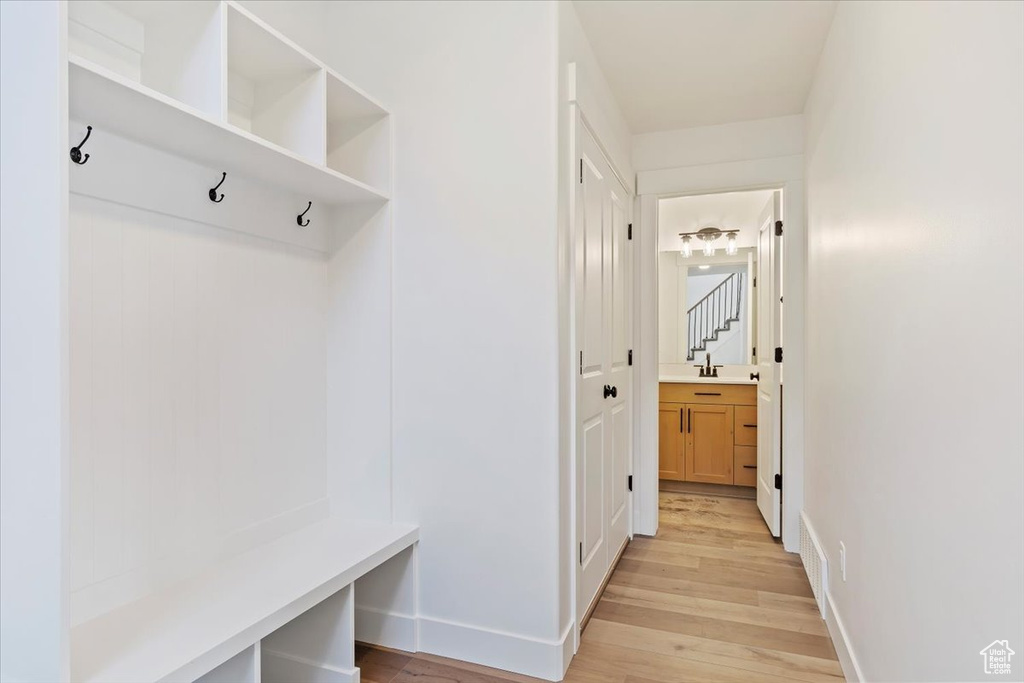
(208, 81)
(274, 91)
(358, 134)
(171, 47)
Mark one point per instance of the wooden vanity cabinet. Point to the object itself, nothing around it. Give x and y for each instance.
(708, 433)
(671, 445)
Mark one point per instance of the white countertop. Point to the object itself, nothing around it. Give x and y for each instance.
(681, 373)
(694, 379)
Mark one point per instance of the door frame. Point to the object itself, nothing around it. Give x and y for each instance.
(578, 121)
(780, 173)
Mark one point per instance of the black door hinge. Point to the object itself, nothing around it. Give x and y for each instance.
(629, 232)
(778, 481)
(755, 282)
(581, 170)
(631, 356)
(581, 554)
(754, 352)
(581, 362)
(778, 354)
(629, 481)
(778, 228)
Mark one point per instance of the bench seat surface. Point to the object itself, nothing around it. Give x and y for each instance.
(191, 627)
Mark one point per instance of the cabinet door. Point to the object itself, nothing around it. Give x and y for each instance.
(670, 440)
(709, 443)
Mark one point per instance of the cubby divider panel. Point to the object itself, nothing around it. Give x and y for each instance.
(242, 668)
(319, 642)
(358, 134)
(274, 91)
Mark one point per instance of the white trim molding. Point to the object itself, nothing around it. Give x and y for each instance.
(785, 173)
(547, 659)
(844, 649)
(287, 667)
(387, 629)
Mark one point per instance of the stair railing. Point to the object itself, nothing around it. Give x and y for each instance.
(713, 314)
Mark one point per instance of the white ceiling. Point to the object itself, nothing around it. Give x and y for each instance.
(726, 211)
(678, 64)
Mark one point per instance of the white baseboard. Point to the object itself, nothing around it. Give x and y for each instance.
(376, 627)
(546, 659)
(568, 647)
(277, 667)
(844, 650)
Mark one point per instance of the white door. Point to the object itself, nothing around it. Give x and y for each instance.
(603, 415)
(769, 334)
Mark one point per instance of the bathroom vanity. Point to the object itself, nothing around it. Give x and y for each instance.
(708, 430)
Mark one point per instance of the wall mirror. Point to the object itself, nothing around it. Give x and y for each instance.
(706, 298)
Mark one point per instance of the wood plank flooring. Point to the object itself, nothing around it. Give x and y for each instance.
(712, 598)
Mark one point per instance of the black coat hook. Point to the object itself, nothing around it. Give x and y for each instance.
(298, 219)
(76, 151)
(213, 190)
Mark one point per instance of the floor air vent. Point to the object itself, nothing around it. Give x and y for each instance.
(814, 562)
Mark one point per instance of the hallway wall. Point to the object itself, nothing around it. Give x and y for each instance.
(728, 142)
(915, 164)
(475, 413)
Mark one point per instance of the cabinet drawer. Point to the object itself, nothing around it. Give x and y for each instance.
(746, 425)
(745, 466)
(716, 394)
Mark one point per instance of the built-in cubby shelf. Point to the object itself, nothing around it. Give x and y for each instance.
(214, 347)
(191, 627)
(210, 82)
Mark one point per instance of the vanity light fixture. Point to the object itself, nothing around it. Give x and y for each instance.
(708, 236)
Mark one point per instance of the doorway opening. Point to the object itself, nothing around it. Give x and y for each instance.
(719, 323)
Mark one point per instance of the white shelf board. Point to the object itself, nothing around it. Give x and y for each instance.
(186, 630)
(103, 99)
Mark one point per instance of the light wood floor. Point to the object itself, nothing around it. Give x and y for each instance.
(712, 598)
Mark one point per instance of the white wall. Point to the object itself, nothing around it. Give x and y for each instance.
(729, 142)
(915, 164)
(476, 433)
(672, 335)
(33, 349)
(198, 427)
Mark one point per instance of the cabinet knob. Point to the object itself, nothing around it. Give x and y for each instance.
(610, 391)
(755, 376)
